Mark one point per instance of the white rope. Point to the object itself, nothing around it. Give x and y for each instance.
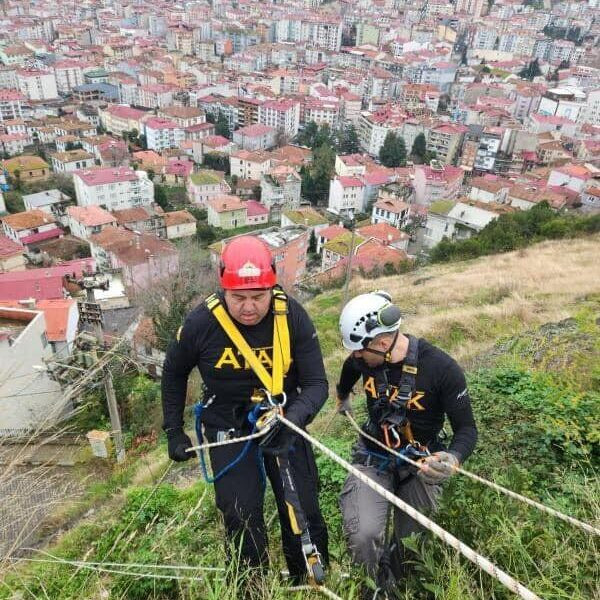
(99, 569)
(127, 565)
(551, 511)
(483, 563)
(314, 588)
(236, 440)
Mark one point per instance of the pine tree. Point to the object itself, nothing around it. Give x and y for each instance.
(349, 142)
(222, 125)
(393, 151)
(419, 148)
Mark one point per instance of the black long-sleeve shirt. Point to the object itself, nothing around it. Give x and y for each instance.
(440, 390)
(203, 343)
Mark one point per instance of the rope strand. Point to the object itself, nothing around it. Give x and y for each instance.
(481, 561)
(551, 511)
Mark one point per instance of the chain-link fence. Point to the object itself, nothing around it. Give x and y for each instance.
(28, 495)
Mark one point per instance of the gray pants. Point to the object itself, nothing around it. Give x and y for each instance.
(365, 512)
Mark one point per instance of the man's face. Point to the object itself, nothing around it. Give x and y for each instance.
(370, 358)
(248, 307)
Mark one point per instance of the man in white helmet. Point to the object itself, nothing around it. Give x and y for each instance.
(410, 387)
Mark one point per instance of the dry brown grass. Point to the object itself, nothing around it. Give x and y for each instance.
(466, 306)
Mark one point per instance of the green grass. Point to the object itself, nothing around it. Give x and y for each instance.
(536, 397)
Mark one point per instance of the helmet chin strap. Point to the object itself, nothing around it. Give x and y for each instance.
(387, 355)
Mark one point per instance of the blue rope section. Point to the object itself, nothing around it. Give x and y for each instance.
(252, 418)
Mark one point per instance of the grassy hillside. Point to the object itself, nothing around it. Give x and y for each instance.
(526, 327)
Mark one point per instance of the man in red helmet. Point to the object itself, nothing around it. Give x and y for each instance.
(272, 326)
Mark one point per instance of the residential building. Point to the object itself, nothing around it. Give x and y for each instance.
(373, 127)
(590, 200)
(437, 182)
(489, 189)
(11, 105)
(118, 119)
(69, 74)
(84, 221)
(206, 184)
(571, 176)
(256, 213)
(44, 283)
(27, 168)
(226, 212)
(328, 233)
(30, 227)
(24, 345)
(12, 255)
(307, 216)
(250, 165)
(146, 219)
(113, 189)
(143, 259)
(156, 95)
(283, 115)
(280, 188)
(71, 160)
(255, 137)
(338, 249)
(391, 211)
(386, 234)
(179, 223)
(53, 202)
(37, 85)
(489, 147)
(460, 220)
(346, 193)
(446, 141)
(184, 116)
(162, 134)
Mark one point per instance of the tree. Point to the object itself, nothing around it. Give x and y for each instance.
(161, 198)
(151, 174)
(306, 137)
(316, 180)
(14, 201)
(222, 125)
(205, 233)
(323, 137)
(217, 161)
(349, 142)
(531, 71)
(142, 142)
(393, 152)
(16, 176)
(169, 300)
(419, 148)
(312, 244)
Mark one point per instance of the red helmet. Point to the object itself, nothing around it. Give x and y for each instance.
(246, 264)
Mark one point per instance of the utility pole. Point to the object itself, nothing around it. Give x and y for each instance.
(350, 255)
(91, 313)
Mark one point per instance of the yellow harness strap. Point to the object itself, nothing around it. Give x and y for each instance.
(281, 341)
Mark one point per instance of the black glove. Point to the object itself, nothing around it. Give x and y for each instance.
(179, 441)
(278, 440)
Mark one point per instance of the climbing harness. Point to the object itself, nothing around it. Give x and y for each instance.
(269, 402)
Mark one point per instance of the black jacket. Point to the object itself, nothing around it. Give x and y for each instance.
(203, 343)
(440, 390)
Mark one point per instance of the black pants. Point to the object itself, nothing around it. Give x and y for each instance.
(240, 497)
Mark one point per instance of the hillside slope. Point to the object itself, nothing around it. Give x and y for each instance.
(526, 326)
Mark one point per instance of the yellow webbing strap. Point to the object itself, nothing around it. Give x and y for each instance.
(281, 341)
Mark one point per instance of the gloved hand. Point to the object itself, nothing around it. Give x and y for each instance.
(179, 441)
(438, 467)
(279, 439)
(343, 404)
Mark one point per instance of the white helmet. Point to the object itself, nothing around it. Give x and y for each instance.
(366, 316)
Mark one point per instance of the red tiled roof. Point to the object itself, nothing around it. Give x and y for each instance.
(331, 232)
(9, 248)
(256, 209)
(108, 175)
(34, 238)
(90, 216)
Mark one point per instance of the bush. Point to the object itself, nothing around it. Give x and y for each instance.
(143, 406)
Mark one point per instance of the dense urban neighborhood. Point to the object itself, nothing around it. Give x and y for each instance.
(359, 138)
